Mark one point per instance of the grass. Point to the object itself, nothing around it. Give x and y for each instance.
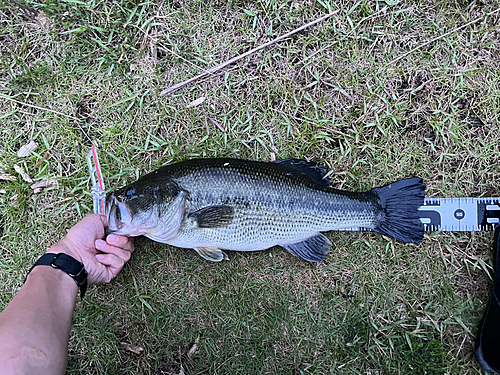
(329, 94)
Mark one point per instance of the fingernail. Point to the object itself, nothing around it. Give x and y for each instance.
(100, 244)
(112, 238)
(99, 257)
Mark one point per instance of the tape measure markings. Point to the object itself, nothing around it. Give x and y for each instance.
(457, 214)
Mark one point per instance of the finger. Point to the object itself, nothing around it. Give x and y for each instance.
(126, 243)
(95, 223)
(112, 261)
(103, 219)
(108, 249)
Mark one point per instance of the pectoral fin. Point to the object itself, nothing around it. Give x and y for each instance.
(211, 253)
(213, 216)
(313, 249)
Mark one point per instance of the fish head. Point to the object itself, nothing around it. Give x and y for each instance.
(137, 209)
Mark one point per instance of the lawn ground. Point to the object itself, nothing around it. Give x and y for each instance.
(364, 93)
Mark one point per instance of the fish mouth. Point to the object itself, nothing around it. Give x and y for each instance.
(113, 214)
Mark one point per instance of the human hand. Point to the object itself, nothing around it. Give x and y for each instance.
(103, 260)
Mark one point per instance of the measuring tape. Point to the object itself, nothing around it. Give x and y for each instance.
(460, 214)
(457, 214)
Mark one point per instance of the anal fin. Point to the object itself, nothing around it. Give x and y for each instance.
(313, 249)
(211, 253)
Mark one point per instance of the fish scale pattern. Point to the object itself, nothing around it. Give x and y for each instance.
(273, 204)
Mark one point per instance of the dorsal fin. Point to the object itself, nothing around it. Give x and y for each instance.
(315, 171)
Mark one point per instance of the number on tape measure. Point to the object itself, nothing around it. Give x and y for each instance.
(460, 214)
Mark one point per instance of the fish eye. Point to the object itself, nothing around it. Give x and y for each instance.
(130, 192)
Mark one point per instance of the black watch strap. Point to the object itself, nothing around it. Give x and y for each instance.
(68, 264)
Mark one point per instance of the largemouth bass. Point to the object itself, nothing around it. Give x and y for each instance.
(211, 205)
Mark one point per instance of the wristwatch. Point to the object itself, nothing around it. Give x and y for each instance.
(68, 264)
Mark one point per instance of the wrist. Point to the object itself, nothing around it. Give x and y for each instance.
(64, 247)
(68, 265)
(52, 276)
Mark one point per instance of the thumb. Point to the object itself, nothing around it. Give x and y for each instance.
(102, 218)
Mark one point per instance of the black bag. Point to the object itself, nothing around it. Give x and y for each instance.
(488, 334)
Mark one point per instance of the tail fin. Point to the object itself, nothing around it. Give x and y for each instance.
(400, 202)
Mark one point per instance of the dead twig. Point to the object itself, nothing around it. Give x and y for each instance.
(442, 36)
(77, 120)
(36, 107)
(39, 162)
(213, 122)
(234, 59)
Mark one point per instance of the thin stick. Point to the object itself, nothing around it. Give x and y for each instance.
(234, 59)
(49, 110)
(441, 37)
(40, 108)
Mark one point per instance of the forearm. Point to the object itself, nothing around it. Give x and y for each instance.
(35, 326)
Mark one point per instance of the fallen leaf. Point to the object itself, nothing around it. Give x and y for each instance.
(26, 150)
(196, 102)
(23, 174)
(42, 19)
(7, 177)
(13, 198)
(3, 191)
(192, 350)
(37, 186)
(131, 348)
